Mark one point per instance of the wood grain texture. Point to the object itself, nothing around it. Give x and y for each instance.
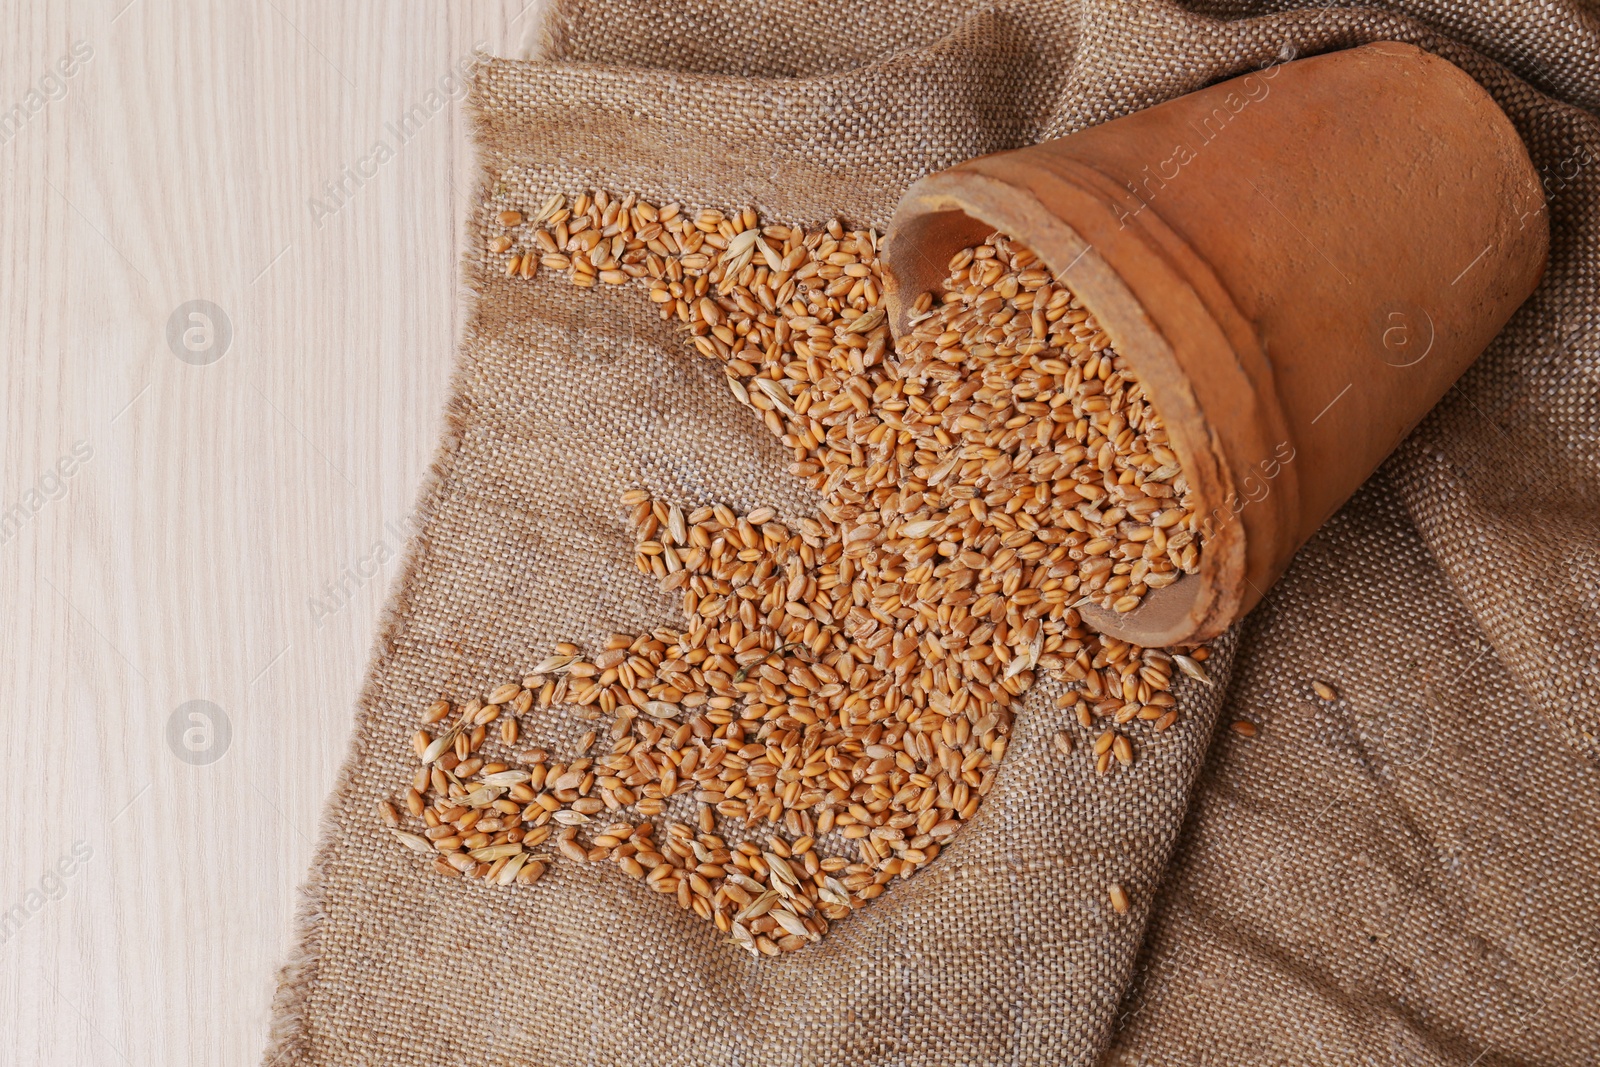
(219, 530)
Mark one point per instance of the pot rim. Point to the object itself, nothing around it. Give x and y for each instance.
(1198, 606)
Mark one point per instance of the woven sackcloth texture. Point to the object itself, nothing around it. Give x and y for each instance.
(1407, 874)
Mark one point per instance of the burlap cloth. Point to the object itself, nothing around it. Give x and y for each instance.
(1408, 875)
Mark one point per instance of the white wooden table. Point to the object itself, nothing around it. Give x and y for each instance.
(204, 501)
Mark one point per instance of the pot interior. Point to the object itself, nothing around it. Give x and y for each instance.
(916, 261)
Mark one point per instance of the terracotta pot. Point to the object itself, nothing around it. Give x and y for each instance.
(1298, 263)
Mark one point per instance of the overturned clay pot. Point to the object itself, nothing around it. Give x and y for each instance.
(1297, 263)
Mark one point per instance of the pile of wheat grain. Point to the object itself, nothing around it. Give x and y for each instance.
(847, 678)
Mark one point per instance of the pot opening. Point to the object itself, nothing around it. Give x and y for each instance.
(917, 261)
